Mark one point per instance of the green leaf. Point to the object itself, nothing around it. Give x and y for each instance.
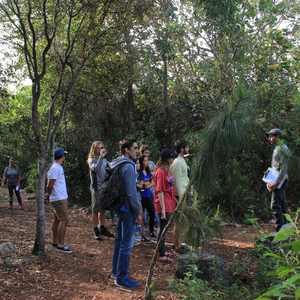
(283, 234)
(289, 218)
(283, 271)
(297, 294)
(294, 245)
(293, 279)
(272, 255)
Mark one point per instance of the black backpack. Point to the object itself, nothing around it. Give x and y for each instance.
(112, 194)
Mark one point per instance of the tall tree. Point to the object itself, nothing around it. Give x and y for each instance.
(55, 38)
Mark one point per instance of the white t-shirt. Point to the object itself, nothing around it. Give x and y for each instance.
(59, 191)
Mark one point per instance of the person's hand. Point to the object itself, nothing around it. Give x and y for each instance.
(163, 215)
(274, 186)
(138, 220)
(46, 197)
(103, 152)
(269, 187)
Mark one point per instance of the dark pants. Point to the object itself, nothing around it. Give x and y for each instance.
(161, 226)
(11, 189)
(278, 205)
(149, 206)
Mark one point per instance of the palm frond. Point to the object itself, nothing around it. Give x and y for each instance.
(224, 135)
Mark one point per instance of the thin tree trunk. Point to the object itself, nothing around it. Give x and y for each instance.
(40, 238)
(166, 102)
(154, 258)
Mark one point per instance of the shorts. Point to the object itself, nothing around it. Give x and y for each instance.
(96, 205)
(60, 209)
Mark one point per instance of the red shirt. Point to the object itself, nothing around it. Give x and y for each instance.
(164, 183)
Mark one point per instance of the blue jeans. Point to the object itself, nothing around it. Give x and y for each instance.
(278, 205)
(11, 189)
(123, 244)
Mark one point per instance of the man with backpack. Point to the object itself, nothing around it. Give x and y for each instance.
(128, 215)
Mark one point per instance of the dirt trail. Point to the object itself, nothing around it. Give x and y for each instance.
(85, 274)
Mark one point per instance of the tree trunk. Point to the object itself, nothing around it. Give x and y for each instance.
(166, 102)
(148, 291)
(39, 244)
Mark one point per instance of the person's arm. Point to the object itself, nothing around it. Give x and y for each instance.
(140, 185)
(150, 184)
(283, 163)
(4, 177)
(161, 199)
(129, 184)
(49, 188)
(178, 180)
(3, 180)
(95, 165)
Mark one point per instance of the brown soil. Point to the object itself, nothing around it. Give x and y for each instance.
(85, 274)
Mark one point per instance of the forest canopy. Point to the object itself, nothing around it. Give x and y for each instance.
(156, 71)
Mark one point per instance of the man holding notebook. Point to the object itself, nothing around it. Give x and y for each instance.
(277, 188)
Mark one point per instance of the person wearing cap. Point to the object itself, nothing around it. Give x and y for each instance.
(180, 174)
(58, 196)
(164, 199)
(279, 163)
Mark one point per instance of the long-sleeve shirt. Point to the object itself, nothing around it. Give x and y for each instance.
(179, 172)
(97, 172)
(127, 176)
(279, 163)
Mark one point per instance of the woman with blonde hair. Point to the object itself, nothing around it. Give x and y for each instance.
(97, 165)
(12, 177)
(164, 198)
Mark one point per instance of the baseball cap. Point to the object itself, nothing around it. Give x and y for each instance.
(59, 152)
(275, 131)
(167, 153)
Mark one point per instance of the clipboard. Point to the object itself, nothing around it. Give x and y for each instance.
(271, 176)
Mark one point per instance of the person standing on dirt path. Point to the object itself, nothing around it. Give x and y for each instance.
(145, 151)
(180, 175)
(97, 165)
(165, 201)
(279, 163)
(12, 177)
(127, 216)
(58, 196)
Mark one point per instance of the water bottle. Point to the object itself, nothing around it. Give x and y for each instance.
(138, 232)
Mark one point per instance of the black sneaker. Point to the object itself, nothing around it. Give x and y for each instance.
(146, 240)
(152, 234)
(104, 231)
(97, 234)
(64, 249)
(181, 250)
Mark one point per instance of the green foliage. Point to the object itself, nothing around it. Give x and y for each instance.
(192, 288)
(197, 223)
(210, 47)
(287, 270)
